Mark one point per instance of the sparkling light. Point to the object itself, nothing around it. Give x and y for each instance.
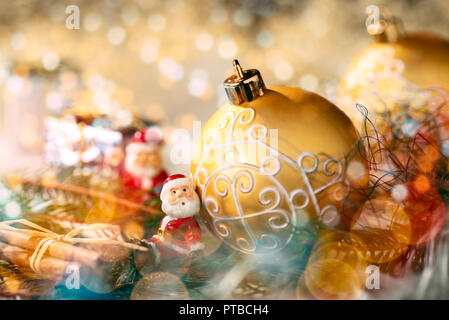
(90, 154)
(3, 74)
(204, 41)
(150, 50)
(69, 157)
(356, 170)
(109, 86)
(283, 70)
(95, 82)
(69, 80)
(54, 101)
(180, 142)
(14, 84)
(105, 108)
(92, 22)
(309, 82)
(13, 210)
(156, 22)
(124, 118)
(5, 194)
(198, 83)
(265, 39)
(399, 193)
(445, 148)
(171, 69)
(409, 128)
(199, 74)
(50, 61)
(227, 48)
(159, 285)
(101, 97)
(18, 41)
(197, 87)
(116, 35)
(330, 89)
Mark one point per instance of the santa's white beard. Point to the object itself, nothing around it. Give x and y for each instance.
(189, 209)
(138, 171)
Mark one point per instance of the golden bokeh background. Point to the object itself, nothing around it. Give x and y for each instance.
(166, 59)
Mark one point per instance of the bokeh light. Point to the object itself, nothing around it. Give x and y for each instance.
(160, 286)
(116, 35)
(157, 22)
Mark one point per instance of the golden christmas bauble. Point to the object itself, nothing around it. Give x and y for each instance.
(394, 72)
(272, 160)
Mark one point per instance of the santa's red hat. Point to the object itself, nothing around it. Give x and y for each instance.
(145, 140)
(175, 181)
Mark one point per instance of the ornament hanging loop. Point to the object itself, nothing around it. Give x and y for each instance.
(238, 68)
(244, 85)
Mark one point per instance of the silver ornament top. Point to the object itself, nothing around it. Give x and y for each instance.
(244, 85)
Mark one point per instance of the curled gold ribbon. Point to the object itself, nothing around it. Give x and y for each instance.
(48, 237)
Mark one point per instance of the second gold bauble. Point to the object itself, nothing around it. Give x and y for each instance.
(394, 72)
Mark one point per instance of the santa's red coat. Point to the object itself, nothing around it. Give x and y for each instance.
(176, 237)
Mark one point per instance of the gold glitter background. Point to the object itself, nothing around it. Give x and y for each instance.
(166, 59)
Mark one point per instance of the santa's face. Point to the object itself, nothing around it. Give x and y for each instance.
(181, 202)
(144, 164)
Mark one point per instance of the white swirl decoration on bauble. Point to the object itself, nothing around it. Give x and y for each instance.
(274, 206)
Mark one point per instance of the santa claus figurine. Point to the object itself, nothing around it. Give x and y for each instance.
(143, 163)
(179, 234)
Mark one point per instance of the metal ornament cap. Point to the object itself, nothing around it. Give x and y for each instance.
(244, 85)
